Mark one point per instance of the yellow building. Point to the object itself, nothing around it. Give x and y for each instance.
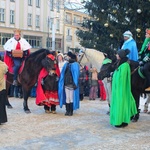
(74, 16)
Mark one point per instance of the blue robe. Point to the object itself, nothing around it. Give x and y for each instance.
(131, 45)
(75, 69)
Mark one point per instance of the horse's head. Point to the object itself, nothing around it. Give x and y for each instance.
(106, 68)
(49, 62)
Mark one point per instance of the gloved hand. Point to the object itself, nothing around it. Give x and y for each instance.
(42, 82)
(141, 63)
(57, 78)
(140, 58)
(9, 53)
(111, 74)
(146, 59)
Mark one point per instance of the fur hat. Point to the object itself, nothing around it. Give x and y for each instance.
(123, 53)
(60, 54)
(127, 34)
(71, 55)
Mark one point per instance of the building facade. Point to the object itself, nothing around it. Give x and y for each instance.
(73, 20)
(44, 23)
(35, 18)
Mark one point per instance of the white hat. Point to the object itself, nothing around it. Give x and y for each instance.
(60, 54)
(127, 34)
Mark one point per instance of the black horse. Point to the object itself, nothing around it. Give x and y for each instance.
(138, 82)
(29, 75)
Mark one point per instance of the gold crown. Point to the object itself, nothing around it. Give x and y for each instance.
(17, 31)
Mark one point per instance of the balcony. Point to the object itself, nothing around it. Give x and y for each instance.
(68, 38)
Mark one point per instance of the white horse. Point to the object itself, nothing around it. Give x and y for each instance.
(91, 58)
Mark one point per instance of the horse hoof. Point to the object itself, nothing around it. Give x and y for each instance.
(134, 120)
(145, 111)
(27, 111)
(9, 106)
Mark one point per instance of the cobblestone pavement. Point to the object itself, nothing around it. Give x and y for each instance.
(87, 129)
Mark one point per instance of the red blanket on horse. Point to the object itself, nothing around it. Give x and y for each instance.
(9, 62)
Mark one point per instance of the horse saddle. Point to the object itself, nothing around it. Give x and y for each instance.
(17, 53)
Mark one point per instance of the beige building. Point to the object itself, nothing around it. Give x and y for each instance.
(44, 23)
(74, 16)
(35, 18)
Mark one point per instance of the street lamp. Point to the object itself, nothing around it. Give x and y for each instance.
(48, 38)
(53, 37)
(53, 33)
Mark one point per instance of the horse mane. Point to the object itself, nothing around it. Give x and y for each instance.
(37, 56)
(34, 54)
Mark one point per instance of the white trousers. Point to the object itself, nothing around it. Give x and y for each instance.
(69, 95)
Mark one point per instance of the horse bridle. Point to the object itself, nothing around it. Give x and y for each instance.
(134, 69)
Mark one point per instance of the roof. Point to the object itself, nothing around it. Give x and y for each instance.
(75, 7)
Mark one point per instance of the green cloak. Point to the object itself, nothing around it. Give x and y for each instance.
(123, 105)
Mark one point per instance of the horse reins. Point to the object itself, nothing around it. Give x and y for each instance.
(134, 69)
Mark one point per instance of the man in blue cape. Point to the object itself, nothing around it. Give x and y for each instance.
(68, 88)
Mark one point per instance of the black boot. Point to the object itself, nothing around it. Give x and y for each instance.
(67, 109)
(71, 109)
(46, 108)
(53, 109)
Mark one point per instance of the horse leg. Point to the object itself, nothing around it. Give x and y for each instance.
(136, 96)
(25, 102)
(146, 104)
(20, 94)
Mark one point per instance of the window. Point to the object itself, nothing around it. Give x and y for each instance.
(4, 37)
(51, 4)
(58, 44)
(68, 18)
(37, 21)
(30, 2)
(68, 32)
(12, 16)
(37, 3)
(49, 42)
(12, 0)
(57, 24)
(35, 42)
(29, 19)
(58, 5)
(51, 23)
(2, 15)
(68, 48)
(76, 19)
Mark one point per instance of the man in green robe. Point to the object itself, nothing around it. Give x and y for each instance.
(123, 105)
(144, 58)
